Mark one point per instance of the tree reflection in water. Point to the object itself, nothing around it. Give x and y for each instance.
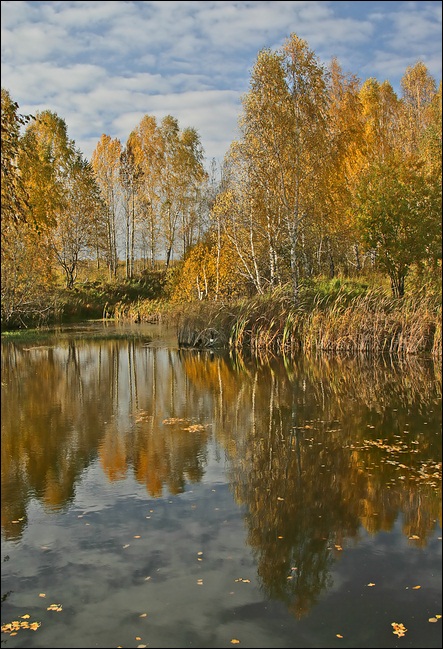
(317, 449)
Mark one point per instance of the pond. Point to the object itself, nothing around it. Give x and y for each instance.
(160, 497)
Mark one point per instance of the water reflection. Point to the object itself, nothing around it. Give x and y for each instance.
(317, 450)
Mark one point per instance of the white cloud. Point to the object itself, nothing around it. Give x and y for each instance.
(102, 65)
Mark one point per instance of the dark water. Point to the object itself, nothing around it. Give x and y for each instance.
(172, 499)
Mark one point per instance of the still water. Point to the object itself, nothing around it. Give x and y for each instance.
(155, 497)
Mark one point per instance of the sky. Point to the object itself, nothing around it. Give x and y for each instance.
(102, 65)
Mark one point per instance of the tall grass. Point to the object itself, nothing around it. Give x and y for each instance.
(347, 319)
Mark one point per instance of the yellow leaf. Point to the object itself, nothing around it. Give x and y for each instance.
(25, 617)
(438, 617)
(137, 537)
(371, 584)
(339, 636)
(432, 619)
(137, 637)
(42, 594)
(234, 641)
(416, 587)
(144, 615)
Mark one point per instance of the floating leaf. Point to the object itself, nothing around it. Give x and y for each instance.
(199, 553)
(432, 619)
(399, 629)
(415, 587)
(338, 635)
(143, 615)
(42, 594)
(25, 617)
(137, 637)
(371, 584)
(137, 537)
(126, 546)
(235, 641)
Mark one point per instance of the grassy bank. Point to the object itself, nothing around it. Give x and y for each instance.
(339, 315)
(350, 319)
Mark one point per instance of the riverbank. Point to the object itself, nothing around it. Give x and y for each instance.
(344, 316)
(338, 316)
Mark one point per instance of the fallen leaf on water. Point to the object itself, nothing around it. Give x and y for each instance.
(438, 617)
(42, 594)
(137, 637)
(199, 553)
(234, 641)
(137, 537)
(414, 537)
(371, 584)
(415, 587)
(141, 646)
(338, 635)
(143, 615)
(399, 629)
(432, 619)
(35, 625)
(126, 546)
(25, 617)
(278, 498)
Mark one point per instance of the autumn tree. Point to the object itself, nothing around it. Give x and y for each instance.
(284, 139)
(14, 201)
(106, 165)
(80, 229)
(147, 146)
(130, 179)
(182, 173)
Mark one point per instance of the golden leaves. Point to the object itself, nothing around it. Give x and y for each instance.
(12, 628)
(55, 607)
(371, 584)
(399, 629)
(338, 635)
(235, 641)
(245, 581)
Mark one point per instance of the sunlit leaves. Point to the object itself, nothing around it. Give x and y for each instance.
(398, 629)
(12, 628)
